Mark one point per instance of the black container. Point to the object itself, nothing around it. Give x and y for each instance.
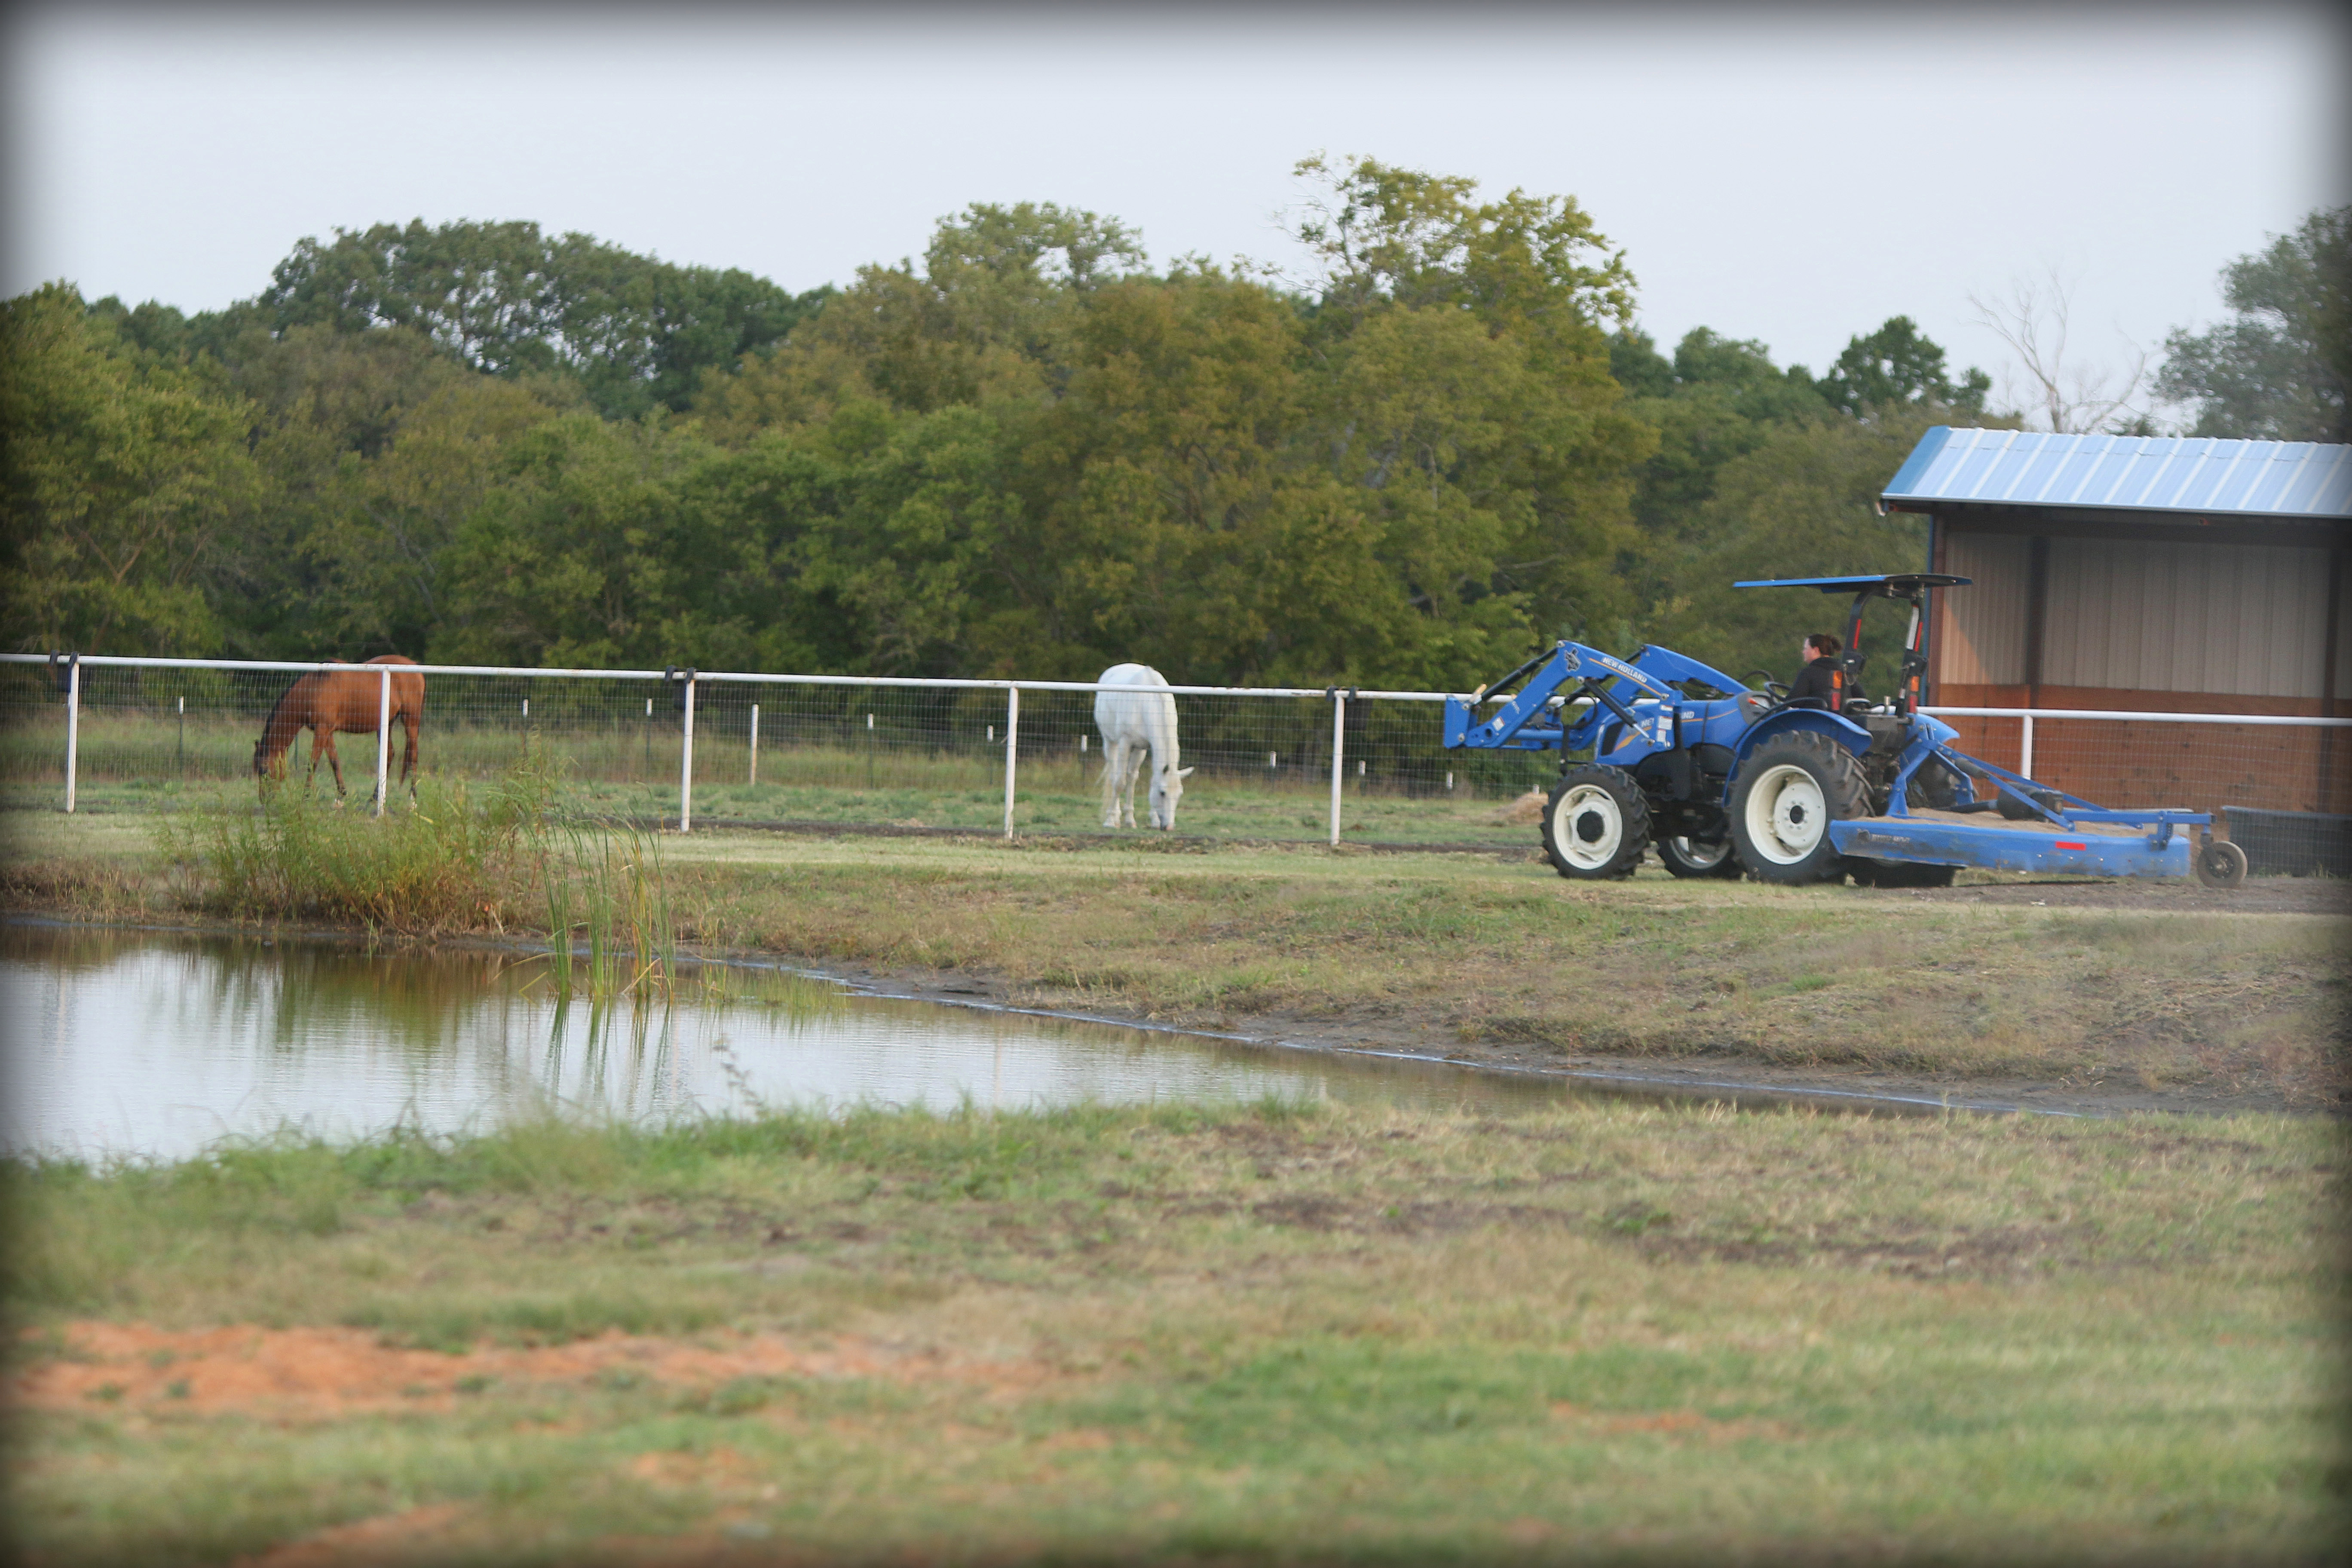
(2291, 843)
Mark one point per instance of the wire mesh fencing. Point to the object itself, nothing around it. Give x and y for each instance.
(713, 749)
(2192, 762)
(717, 748)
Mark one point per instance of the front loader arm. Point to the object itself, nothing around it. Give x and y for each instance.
(1526, 722)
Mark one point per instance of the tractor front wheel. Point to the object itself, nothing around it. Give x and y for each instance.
(1596, 824)
(1791, 789)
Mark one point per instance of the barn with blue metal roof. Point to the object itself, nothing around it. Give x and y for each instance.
(2144, 573)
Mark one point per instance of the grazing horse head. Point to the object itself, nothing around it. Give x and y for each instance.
(1167, 789)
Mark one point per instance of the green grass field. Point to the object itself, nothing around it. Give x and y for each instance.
(1590, 1333)
(1593, 1331)
(127, 766)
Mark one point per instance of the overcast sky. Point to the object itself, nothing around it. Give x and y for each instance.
(1792, 176)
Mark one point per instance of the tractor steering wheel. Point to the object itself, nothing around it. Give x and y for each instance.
(1778, 692)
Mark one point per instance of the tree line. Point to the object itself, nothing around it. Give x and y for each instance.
(1029, 453)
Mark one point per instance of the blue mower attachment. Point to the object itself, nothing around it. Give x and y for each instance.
(1725, 780)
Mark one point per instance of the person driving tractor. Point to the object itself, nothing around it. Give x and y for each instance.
(1822, 682)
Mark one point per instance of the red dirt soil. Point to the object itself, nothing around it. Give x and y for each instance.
(327, 1373)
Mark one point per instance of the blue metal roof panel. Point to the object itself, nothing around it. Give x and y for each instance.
(2132, 473)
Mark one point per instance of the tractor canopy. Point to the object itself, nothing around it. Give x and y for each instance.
(1897, 585)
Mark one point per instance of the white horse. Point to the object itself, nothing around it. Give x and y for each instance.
(1132, 723)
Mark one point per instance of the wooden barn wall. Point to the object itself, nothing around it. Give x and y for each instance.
(2153, 625)
(2141, 615)
(1983, 626)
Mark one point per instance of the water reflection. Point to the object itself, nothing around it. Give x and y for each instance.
(158, 1043)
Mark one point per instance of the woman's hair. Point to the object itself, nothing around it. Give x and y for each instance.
(1823, 644)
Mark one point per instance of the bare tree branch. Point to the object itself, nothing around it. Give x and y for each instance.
(2034, 318)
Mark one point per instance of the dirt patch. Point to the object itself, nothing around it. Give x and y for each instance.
(329, 1372)
(387, 1537)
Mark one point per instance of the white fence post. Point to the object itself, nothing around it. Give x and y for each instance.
(73, 727)
(754, 777)
(1011, 750)
(2025, 752)
(383, 734)
(686, 763)
(1339, 760)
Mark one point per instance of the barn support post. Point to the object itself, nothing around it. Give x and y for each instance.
(382, 733)
(2329, 653)
(1011, 750)
(73, 725)
(2037, 612)
(754, 777)
(686, 763)
(1339, 757)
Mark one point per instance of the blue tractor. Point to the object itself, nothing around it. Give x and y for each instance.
(1726, 781)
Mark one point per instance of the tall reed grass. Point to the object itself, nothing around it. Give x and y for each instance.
(603, 881)
(433, 863)
(455, 858)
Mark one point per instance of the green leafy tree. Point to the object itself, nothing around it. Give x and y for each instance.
(2280, 370)
(580, 553)
(988, 318)
(1801, 503)
(1898, 367)
(1469, 402)
(128, 484)
(1381, 233)
(507, 300)
(1717, 399)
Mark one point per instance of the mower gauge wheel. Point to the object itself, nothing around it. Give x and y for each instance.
(2221, 863)
(1596, 824)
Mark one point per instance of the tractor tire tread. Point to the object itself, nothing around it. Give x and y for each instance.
(1633, 807)
(1845, 788)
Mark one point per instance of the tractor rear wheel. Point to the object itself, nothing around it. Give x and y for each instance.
(1596, 824)
(1791, 789)
(1700, 856)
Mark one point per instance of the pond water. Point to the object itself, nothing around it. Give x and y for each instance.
(158, 1043)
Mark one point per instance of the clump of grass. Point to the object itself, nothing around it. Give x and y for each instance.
(605, 880)
(432, 863)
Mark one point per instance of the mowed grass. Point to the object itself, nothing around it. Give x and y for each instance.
(1596, 1332)
(1479, 957)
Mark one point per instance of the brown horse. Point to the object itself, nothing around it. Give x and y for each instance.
(348, 699)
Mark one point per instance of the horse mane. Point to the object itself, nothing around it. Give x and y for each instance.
(278, 707)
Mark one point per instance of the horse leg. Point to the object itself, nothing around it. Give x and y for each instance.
(1112, 752)
(1131, 764)
(408, 759)
(333, 759)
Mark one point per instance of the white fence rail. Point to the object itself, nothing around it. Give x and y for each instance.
(924, 752)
